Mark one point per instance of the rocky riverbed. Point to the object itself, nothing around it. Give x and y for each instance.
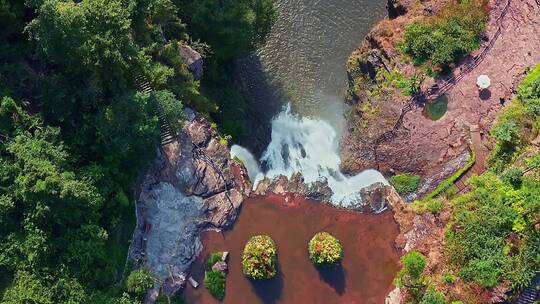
(192, 186)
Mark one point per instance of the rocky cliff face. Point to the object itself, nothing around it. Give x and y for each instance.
(192, 186)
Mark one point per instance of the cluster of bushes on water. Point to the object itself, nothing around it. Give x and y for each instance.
(325, 250)
(446, 38)
(492, 236)
(405, 183)
(259, 258)
(214, 280)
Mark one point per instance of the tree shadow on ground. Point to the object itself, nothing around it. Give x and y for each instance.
(333, 276)
(269, 291)
(484, 94)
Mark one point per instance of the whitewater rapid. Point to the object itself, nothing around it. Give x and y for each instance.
(310, 146)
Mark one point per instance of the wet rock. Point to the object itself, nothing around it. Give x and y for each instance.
(220, 266)
(193, 60)
(374, 198)
(192, 186)
(396, 8)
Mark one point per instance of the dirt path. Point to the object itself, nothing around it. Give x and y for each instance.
(437, 148)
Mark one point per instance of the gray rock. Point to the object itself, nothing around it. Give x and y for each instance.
(193, 60)
(192, 186)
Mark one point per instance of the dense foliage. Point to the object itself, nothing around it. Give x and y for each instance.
(410, 276)
(214, 280)
(405, 183)
(325, 250)
(75, 132)
(492, 236)
(231, 28)
(446, 38)
(259, 258)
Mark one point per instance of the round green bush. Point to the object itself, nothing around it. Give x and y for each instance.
(259, 258)
(140, 281)
(324, 249)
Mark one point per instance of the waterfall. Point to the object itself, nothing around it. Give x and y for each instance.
(309, 146)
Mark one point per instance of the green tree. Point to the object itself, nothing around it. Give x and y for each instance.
(140, 281)
(410, 276)
(231, 27)
(93, 35)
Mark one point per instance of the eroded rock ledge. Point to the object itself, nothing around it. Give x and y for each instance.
(192, 186)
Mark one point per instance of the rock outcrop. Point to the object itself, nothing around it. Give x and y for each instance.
(193, 60)
(192, 186)
(372, 198)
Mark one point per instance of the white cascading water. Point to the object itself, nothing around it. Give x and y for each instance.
(309, 146)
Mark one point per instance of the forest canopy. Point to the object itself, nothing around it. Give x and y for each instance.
(75, 131)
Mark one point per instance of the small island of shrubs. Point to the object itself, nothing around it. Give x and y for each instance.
(325, 250)
(259, 259)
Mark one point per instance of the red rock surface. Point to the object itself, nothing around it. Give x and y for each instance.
(425, 146)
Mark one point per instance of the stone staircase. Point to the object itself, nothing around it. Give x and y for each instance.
(531, 294)
(166, 133)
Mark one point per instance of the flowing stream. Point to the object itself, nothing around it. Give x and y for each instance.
(296, 85)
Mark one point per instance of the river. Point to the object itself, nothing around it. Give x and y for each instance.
(296, 85)
(303, 63)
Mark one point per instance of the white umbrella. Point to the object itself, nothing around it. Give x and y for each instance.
(483, 82)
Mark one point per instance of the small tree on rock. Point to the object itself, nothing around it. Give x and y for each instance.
(140, 281)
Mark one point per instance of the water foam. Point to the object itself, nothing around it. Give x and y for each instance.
(310, 146)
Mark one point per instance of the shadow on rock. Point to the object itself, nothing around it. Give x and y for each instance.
(333, 276)
(485, 94)
(269, 291)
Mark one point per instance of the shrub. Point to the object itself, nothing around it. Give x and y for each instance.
(446, 39)
(449, 278)
(259, 258)
(529, 91)
(214, 281)
(140, 281)
(513, 176)
(477, 238)
(405, 183)
(434, 206)
(433, 297)
(325, 250)
(410, 275)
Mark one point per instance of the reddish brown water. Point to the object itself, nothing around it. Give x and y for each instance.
(369, 265)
